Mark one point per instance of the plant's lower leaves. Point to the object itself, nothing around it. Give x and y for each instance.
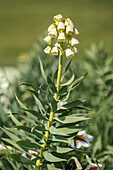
(49, 157)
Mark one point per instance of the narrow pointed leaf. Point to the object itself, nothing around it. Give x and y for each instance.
(21, 159)
(15, 120)
(70, 119)
(11, 135)
(63, 131)
(37, 114)
(49, 157)
(51, 84)
(28, 144)
(53, 102)
(42, 70)
(51, 167)
(60, 149)
(69, 81)
(11, 142)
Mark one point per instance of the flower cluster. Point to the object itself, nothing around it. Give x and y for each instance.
(61, 31)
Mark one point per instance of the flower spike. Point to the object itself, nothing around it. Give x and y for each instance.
(63, 32)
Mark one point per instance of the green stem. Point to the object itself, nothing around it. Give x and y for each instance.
(38, 162)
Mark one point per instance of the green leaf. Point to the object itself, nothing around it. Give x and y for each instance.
(28, 144)
(51, 84)
(36, 114)
(61, 149)
(21, 159)
(39, 128)
(78, 81)
(11, 135)
(34, 134)
(53, 102)
(72, 104)
(41, 108)
(20, 103)
(49, 157)
(70, 119)
(60, 139)
(15, 120)
(31, 85)
(52, 167)
(42, 70)
(65, 70)
(69, 81)
(15, 145)
(63, 131)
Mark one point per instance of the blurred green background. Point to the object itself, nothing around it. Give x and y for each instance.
(22, 22)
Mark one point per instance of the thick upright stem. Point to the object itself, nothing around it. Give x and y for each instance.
(38, 162)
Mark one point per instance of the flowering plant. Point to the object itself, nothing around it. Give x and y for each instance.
(47, 128)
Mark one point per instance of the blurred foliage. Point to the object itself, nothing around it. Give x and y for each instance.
(100, 67)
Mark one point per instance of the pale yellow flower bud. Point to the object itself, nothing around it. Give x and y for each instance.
(53, 33)
(69, 29)
(74, 41)
(76, 31)
(48, 39)
(69, 53)
(54, 51)
(74, 49)
(51, 27)
(61, 26)
(47, 50)
(61, 37)
(57, 18)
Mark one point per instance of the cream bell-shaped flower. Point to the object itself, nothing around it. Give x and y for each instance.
(51, 27)
(48, 39)
(83, 135)
(69, 53)
(61, 26)
(76, 31)
(93, 167)
(61, 37)
(57, 18)
(53, 33)
(54, 51)
(74, 49)
(69, 29)
(68, 21)
(74, 41)
(47, 50)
